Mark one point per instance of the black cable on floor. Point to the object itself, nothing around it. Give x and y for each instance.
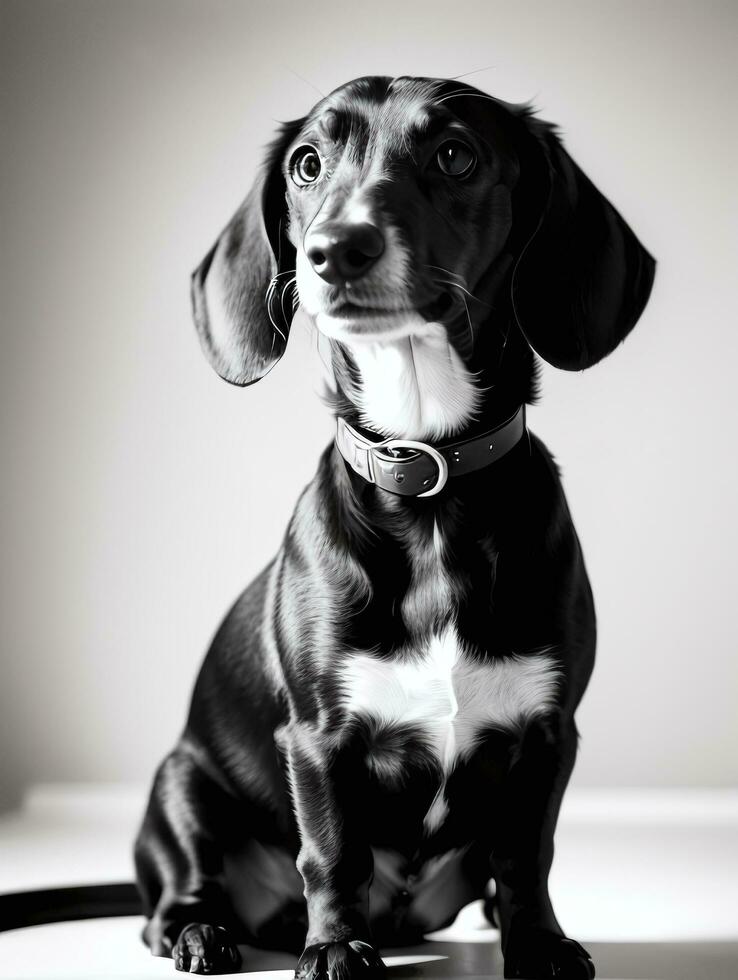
(34, 908)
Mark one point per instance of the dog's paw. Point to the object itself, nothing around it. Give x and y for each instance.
(536, 954)
(340, 961)
(205, 949)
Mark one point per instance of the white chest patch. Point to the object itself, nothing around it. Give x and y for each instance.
(449, 697)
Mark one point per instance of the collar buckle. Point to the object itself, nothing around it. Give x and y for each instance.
(411, 445)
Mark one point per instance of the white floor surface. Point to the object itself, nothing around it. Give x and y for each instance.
(644, 879)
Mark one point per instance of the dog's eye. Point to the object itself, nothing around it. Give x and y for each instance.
(305, 166)
(455, 158)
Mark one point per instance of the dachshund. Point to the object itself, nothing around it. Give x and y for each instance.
(383, 728)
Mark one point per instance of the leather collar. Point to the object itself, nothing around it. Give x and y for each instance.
(416, 469)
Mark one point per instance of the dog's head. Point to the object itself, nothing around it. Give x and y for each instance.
(402, 202)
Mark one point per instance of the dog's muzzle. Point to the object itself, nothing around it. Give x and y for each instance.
(416, 469)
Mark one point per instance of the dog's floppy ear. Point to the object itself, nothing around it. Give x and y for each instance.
(243, 295)
(582, 279)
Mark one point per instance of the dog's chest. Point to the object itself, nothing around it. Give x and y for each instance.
(444, 696)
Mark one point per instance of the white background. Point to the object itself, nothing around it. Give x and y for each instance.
(141, 493)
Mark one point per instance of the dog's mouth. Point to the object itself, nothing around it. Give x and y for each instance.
(359, 317)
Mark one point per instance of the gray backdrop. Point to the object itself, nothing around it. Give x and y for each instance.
(141, 493)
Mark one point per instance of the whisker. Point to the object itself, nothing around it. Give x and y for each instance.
(276, 330)
(474, 71)
(457, 285)
(463, 290)
(469, 320)
(305, 80)
(327, 364)
(268, 302)
(281, 298)
(447, 272)
(470, 95)
(504, 346)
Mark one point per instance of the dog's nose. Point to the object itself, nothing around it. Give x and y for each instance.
(342, 252)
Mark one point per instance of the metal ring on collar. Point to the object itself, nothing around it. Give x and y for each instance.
(420, 447)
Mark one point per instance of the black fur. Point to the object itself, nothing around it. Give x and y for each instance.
(274, 803)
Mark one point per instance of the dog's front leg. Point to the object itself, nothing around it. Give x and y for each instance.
(335, 859)
(533, 943)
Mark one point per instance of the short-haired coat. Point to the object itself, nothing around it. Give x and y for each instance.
(384, 723)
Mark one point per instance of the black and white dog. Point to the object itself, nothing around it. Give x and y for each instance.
(384, 723)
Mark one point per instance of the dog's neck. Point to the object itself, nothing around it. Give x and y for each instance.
(419, 387)
(414, 387)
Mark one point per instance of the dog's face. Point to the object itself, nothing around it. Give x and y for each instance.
(397, 207)
(400, 203)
